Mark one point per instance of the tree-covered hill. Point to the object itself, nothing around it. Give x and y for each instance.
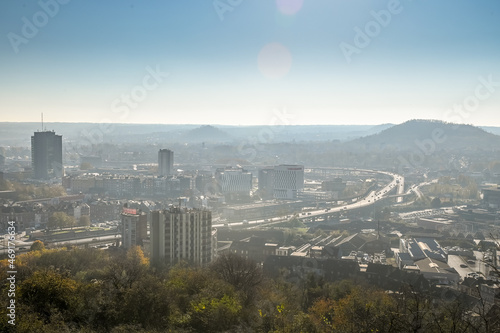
(425, 134)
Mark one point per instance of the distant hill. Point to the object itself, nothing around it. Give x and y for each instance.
(303, 133)
(206, 133)
(407, 135)
(19, 134)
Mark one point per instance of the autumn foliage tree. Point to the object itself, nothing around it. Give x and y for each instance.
(243, 274)
(84, 221)
(93, 291)
(60, 220)
(37, 246)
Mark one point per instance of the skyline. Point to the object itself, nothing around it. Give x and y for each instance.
(321, 62)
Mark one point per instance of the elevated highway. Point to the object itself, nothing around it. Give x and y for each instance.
(397, 183)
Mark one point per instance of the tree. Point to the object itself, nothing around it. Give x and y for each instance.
(86, 166)
(128, 268)
(216, 308)
(436, 202)
(48, 292)
(363, 310)
(5, 185)
(84, 221)
(60, 220)
(243, 274)
(37, 246)
(322, 313)
(383, 214)
(147, 302)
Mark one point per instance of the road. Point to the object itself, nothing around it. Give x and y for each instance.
(19, 243)
(478, 266)
(77, 242)
(371, 198)
(92, 240)
(418, 192)
(455, 261)
(427, 212)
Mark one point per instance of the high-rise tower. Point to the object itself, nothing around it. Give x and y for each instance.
(165, 162)
(180, 234)
(46, 155)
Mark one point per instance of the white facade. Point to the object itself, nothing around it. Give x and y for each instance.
(234, 181)
(288, 181)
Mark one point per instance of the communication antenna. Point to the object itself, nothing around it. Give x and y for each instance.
(42, 121)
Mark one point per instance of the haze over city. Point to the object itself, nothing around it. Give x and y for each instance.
(250, 166)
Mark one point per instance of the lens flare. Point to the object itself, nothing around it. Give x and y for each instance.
(274, 60)
(289, 7)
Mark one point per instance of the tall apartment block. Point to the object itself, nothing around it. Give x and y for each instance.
(46, 155)
(181, 234)
(134, 227)
(165, 162)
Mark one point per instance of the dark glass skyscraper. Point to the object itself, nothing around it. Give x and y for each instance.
(165, 162)
(46, 155)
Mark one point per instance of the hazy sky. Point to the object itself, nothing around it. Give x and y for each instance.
(243, 61)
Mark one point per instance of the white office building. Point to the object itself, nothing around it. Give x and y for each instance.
(288, 181)
(234, 181)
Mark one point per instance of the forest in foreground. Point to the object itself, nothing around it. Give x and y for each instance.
(90, 290)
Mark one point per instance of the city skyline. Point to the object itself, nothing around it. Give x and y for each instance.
(240, 62)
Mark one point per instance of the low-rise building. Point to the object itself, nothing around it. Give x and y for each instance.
(255, 248)
(429, 259)
(297, 267)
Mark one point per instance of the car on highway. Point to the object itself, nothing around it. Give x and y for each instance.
(463, 265)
